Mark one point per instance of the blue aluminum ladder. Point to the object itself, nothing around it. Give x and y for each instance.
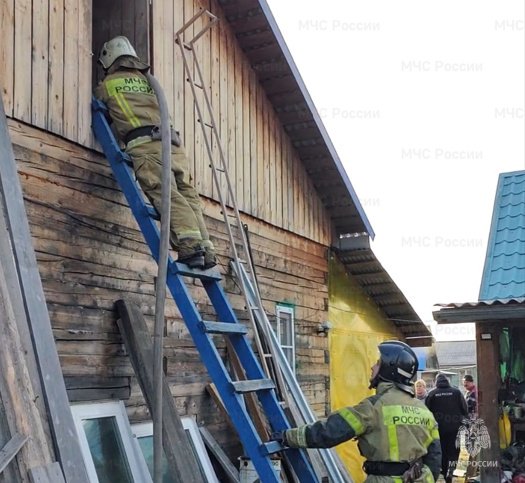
(201, 331)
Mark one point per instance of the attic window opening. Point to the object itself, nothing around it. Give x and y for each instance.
(130, 18)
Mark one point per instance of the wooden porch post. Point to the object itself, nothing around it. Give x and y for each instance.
(489, 382)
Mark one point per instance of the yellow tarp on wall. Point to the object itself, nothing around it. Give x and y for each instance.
(357, 328)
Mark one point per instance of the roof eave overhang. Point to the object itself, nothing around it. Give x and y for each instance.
(313, 144)
(480, 313)
(362, 264)
(367, 227)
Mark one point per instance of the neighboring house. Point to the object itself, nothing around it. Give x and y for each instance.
(500, 320)
(457, 357)
(308, 231)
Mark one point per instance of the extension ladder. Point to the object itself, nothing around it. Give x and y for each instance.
(201, 331)
(287, 385)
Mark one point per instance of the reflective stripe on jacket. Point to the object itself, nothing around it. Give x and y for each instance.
(390, 426)
(130, 100)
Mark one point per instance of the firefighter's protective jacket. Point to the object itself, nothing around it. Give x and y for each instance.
(130, 99)
(132, 104)
(391, 426)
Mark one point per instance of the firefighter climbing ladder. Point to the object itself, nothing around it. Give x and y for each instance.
(201, 331)
(244, 269)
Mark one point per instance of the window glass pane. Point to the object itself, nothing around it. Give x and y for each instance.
(288, 352)
(107, 451)
(146, 445)
(286, 328)
(273, 323)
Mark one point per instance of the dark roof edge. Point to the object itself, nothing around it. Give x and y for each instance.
(304, 91)
(423, 332)
(509, 309)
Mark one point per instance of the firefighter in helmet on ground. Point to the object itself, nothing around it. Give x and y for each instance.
(396, 433)
(135, 114)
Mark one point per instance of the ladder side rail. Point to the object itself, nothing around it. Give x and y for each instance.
(268, 399)
(295, 390)
(211, 287)
(228, 181)
(212, 360)
(210, 356)
(231, 237)
(125, 177)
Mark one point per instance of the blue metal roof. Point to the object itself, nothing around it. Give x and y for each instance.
(504, 271)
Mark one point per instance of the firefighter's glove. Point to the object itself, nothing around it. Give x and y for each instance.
(413, 473)
(175, 138)
(279, 437)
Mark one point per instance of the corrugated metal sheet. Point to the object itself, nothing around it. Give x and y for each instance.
(504, 271)
(375, 281)
(262, 42)
(482, 303)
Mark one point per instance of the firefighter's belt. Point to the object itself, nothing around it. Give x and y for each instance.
(153, 132)
(137, 133)
(385, 468)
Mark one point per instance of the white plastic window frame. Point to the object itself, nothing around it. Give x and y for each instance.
(116, 409)
(287, 349)
(146, 429)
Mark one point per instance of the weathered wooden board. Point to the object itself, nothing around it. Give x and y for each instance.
(47, 474)
(181, 459)
(53, 388)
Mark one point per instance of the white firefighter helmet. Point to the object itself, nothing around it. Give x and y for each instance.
(115, 48)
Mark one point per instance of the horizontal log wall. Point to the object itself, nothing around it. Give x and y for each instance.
(46, 79)
(90, 254)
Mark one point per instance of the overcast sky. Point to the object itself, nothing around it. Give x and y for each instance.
(424, 102)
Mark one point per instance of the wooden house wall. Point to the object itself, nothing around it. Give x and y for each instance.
(46, 79)
(90, 254)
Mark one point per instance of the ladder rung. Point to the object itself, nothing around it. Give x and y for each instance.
(267, 355)
(207, 124)
(253, 385)
(182, 269)
(152, 212)
(271, 447)
(199, 86)
(223, 328)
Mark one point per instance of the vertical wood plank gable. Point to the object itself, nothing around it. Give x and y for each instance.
(157, 13)
(85, 43)
(215, 98)
(279, 190)
(285, 177)
(260, 153)
(22, 65)
(177, 110)
(39, 68)
(166, 75)
(7, 40)
(239, 128)
(55, 121)
(247, 181)
(71, 74)
(223, 59)
(267, 132)
(290, 188)
(189, 109)
(272, 175)
(230, 103)
(254, 159)
(202, 49)
(140, 22)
